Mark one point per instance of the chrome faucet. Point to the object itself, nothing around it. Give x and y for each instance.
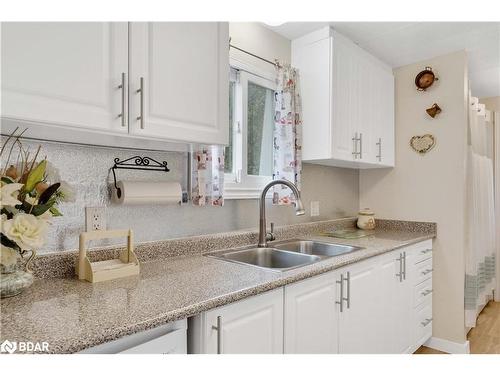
(299, 209)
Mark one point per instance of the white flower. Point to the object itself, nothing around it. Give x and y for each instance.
(52, 173)
(26, 230)
(8, 194)
(8, 256)
(67, 192)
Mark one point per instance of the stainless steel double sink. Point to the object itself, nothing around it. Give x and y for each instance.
(286, 255)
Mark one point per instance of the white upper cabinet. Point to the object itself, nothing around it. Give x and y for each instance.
(65, 73)
(67, 81)
(184, 69)
(347, 102)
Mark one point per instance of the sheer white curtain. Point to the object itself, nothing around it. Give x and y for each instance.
(480, 249)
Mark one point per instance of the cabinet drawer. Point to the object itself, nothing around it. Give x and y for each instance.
(422, 292)
(423, 271)
(423, 253)
(423, 323)
(174, 342)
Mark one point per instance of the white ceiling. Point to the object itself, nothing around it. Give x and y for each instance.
(402, 43)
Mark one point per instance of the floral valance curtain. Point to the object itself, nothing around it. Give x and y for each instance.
(208, 176)
(287, 150)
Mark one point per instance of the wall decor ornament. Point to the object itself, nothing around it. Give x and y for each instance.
(425, 79)
(422, 143)
(434, 110)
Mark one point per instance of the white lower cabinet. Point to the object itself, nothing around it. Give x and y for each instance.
(359, 313)
(253, 325)
(379, 305)
(311, 316)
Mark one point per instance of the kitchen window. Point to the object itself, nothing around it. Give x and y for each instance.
(249, 155)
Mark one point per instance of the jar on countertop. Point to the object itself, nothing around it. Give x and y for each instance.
(366, 219)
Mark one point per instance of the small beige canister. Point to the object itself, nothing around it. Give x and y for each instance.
(366, 219)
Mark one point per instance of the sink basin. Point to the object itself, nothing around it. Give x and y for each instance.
(269, 258)
(311, 247)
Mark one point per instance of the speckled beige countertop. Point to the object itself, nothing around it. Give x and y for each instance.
(72, 315)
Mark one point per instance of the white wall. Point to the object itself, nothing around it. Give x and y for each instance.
(259, 40)
(430, 187)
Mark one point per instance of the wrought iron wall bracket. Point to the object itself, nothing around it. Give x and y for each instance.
(142, 163)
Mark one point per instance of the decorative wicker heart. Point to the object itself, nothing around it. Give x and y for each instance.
(422, 143)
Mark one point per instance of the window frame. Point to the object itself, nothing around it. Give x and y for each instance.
(238, 184)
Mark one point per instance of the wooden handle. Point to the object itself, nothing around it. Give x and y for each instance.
(100, 234)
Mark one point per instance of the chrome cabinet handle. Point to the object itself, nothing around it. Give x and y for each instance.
(427, 271)
(124, 98)
(218, 328)
(426, 322)
(348, 289)
(404, 265)
(426, 292)
(379, 144)
(361, 145)
(400, 274)
(141, 91)
(425, 251)
(341, 299)
(355, 145)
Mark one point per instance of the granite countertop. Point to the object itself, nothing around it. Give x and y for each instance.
(72, 315)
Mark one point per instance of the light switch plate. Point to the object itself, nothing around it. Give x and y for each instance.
(314, 208)
(95, 218)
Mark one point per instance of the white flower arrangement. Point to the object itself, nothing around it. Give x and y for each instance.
(29, 196)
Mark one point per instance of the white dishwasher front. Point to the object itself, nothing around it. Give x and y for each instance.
(170, 338)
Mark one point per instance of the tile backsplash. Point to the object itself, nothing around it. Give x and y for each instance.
(87, 169)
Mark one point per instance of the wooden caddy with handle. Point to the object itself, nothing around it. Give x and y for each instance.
(126, 265)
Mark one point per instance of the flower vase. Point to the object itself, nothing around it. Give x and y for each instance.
(14, 277)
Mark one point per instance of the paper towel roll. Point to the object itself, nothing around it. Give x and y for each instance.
(144, 192)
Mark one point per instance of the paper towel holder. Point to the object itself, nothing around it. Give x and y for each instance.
(143, 163)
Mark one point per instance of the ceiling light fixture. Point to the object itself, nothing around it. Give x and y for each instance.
(274, 23)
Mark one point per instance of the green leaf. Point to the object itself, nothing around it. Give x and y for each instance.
(54, 211)
(8, 242)
(7, 180)
(45, 196)
(35, 176)
(35, 210)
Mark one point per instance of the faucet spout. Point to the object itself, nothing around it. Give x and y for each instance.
(299, 207)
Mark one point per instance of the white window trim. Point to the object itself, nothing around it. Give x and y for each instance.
(241, 185)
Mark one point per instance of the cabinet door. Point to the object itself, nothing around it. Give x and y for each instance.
(386, 115)
(311, 316)
(184, 69)
(359, 320)
(344, 98)
(395, 312)
(251, 326)
(65, 73)
(312, 58)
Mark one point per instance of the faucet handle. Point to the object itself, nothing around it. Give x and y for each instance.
(270, 235)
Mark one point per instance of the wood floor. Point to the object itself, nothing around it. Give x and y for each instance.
(485, 337)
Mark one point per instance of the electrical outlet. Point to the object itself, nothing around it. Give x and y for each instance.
(95, 218)
(314, 208)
